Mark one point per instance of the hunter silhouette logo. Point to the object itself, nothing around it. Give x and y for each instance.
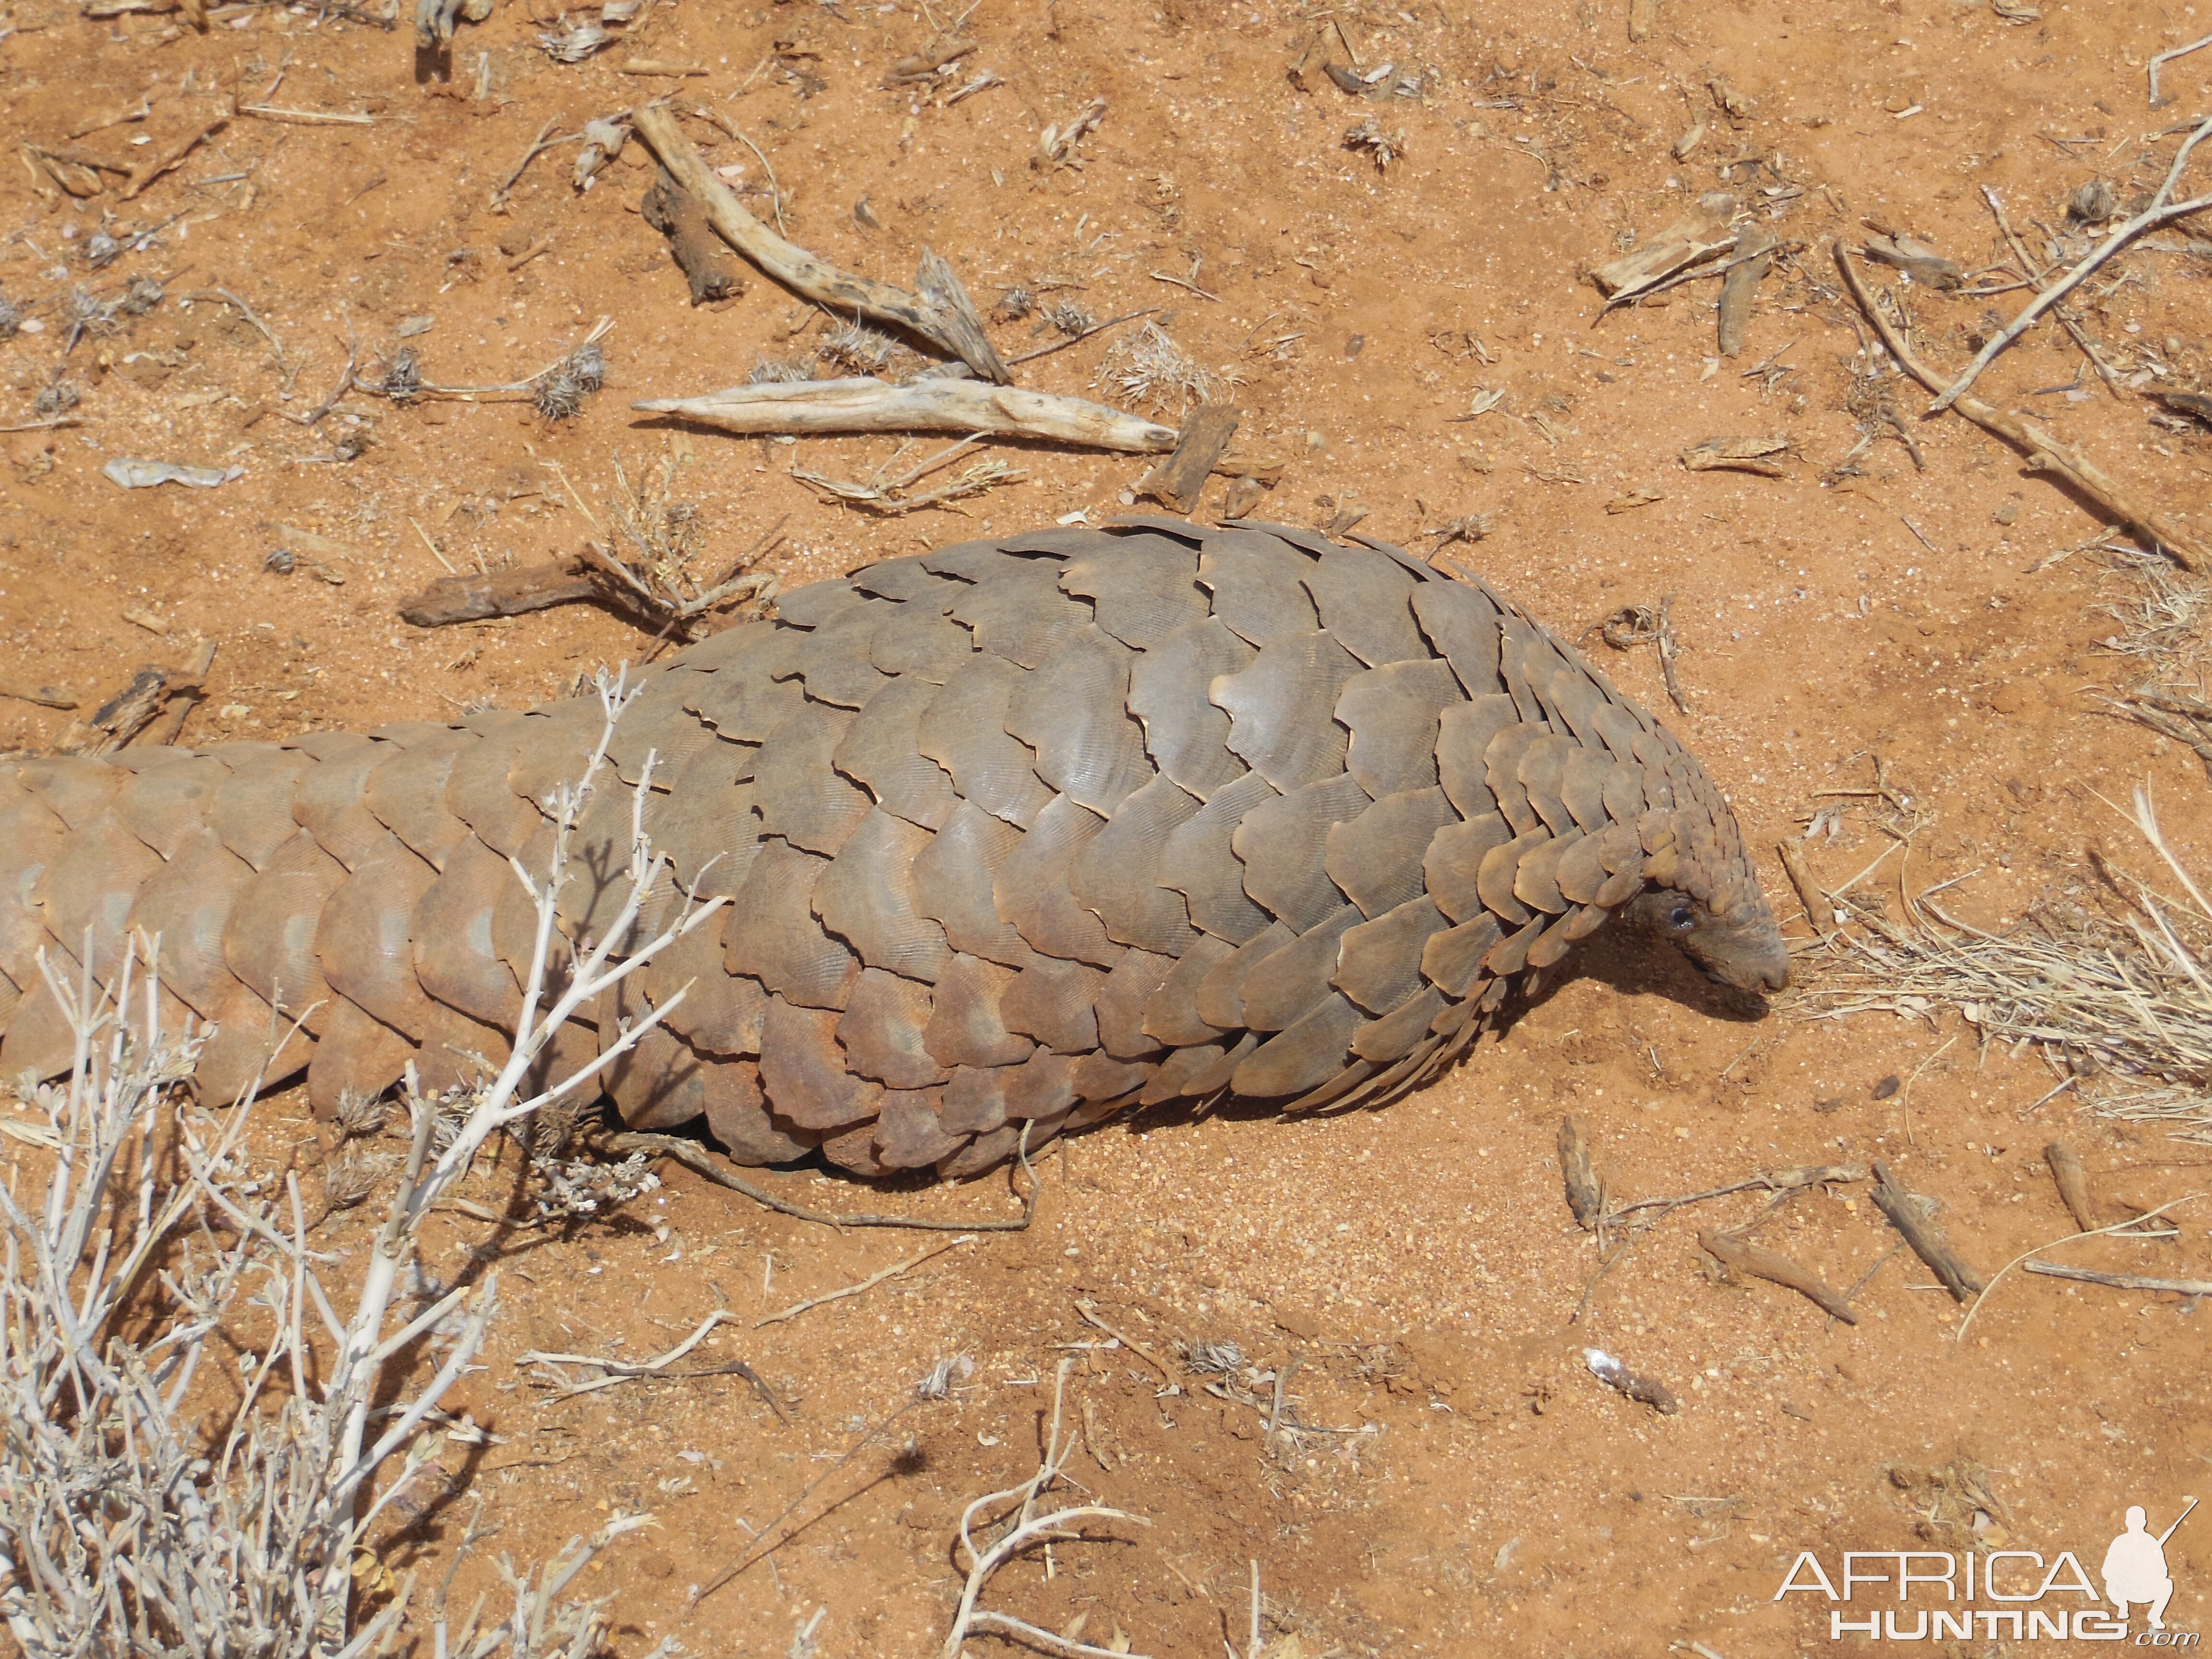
(2028, 1594)
(2135, 1565)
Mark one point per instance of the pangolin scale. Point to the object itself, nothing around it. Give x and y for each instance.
(1017, 832)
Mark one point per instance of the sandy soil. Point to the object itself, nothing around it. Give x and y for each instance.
(1467, 1487)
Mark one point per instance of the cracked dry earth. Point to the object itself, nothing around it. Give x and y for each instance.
(1465, 1485)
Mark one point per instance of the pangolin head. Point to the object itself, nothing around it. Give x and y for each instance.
(1702, 893)
(1739, 946)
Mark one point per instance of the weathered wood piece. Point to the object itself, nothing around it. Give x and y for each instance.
(501, 594)
(1177, 481)
(699, 254)
(1903, 1207)
(866, 404)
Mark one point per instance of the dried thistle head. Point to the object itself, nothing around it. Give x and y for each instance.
(552, 1126)
(57, 397)
(140, 296)
(360, 1115)
(574, 44)
(1014, 304)
(350, 1177)
(938, 1383)
(779, 371)
(100, 250)
(11, 317)
(852, 346)
(83, 312)
(1069, 319)
(2092, 204)
(1226, 1359)
(1380, 147)
(560, 392)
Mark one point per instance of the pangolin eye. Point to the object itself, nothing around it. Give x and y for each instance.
(1680, 918)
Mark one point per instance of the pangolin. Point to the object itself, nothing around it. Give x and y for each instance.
(1019, 832)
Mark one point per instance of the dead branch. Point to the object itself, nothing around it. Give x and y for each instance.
(1178, 481)
(706, 263)
(1027, 1529)
(865, 1285)
(46, 696)
(147, 171)
(2072, 1184)
(1696, 236)
(2123, 1281)
(1090, 1312)
(133, 708)
(617, 1371)
(1754, 259)
(543, 141)
(884, 495)
(1768, 1180)
(504, 593)
(1818, 911)
(1585, 1197)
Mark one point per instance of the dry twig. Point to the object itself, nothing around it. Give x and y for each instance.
(1907, 1212)
(1585, 1197)
(2072, 1184)
(2123, 1281)
(867, 1284)
(1731, 1251)
(886, 495)
(2049, 1271)
(1028, 1529)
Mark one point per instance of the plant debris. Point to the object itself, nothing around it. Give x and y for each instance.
(1382, 147)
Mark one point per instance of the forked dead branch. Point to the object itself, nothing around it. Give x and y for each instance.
(2044, 450)
(938, 311)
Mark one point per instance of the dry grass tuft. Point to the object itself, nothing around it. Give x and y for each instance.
(2164, 618)
(647, 563)
(2128, 997)
(1152, 371)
